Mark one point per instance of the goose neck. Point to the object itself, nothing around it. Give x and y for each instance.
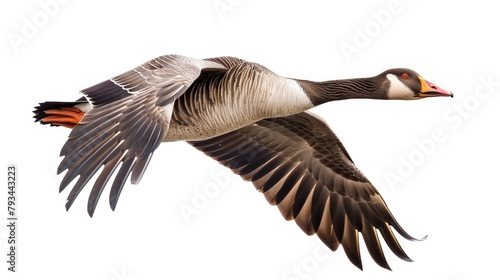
(322, 92)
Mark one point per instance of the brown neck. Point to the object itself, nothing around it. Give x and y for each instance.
(322, 92)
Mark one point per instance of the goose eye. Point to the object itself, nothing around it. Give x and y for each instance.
(405, 75)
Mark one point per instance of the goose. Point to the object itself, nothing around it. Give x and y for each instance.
(250, 120)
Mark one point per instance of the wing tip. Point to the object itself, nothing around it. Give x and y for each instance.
(423, 238)
(91, 212)
(358, 264)
(68, 204)
(113, 203)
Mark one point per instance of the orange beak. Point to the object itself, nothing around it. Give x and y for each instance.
(431, 90)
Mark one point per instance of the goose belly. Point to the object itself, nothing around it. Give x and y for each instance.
(221, 106)
(200, 131)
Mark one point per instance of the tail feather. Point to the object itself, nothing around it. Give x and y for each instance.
(57, 113)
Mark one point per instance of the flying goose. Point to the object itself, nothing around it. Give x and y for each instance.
(250, 120)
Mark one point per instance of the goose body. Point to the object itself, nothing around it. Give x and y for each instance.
(221, 103)
(252, 121)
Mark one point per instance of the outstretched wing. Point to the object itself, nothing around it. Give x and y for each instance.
(130, 117)
(303, 168)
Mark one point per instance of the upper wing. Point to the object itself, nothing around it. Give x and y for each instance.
(130, 116)
(303, 168)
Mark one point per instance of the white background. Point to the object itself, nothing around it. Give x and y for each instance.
(450, 193)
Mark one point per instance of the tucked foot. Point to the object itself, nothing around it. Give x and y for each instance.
(67, 117)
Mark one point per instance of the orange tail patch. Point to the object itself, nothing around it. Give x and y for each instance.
(67, 117)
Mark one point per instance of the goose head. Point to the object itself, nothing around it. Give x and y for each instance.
(396, 84)
(406, 84)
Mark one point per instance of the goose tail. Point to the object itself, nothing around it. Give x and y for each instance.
(59, 113)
